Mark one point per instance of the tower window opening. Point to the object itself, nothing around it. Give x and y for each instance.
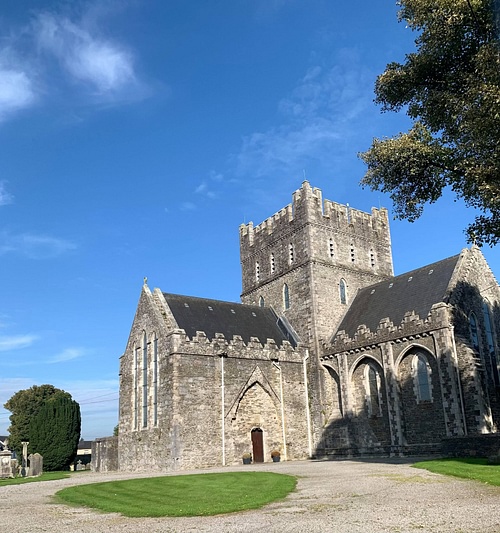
(372, 259)
(291, 254)
(352, 253)
(261, 302)
(286, 297)
(257, 271)
(343, 291)
(331, 249)
(273, 264)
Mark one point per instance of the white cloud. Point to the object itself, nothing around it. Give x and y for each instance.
(67, 355)
(34, 246)
(106, 65)
(16, 89)
(16, 342)
(5, 197)
(318, 118)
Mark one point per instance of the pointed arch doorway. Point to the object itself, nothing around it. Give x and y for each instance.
(258, 445)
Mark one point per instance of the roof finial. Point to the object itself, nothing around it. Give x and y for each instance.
(145, 280)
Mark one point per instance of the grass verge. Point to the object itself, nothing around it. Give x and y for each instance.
(468, 468)
(47, 476)
(189, 495)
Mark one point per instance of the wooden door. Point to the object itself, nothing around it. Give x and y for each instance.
(258, 445)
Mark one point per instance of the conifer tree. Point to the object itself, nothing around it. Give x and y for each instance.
(55, 432)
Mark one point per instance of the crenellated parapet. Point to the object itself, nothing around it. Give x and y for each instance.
(412, 327)
(235, 347)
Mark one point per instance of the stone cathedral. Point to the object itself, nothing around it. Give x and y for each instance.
(328, 355)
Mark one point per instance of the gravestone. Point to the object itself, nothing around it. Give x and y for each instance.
(6, 464)
(36, 464)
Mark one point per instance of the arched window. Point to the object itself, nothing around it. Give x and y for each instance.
(261, 302)
(422, 378)
(144, 381)
(488, 327)
(372, 381)
(286, 297)
(343, 291)
(474, 331)
(135, 372)
(155, 380)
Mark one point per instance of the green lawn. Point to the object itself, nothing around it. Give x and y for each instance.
(470, 468)
(47, 476)
(189, 495)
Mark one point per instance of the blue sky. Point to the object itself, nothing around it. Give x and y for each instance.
(137, 135)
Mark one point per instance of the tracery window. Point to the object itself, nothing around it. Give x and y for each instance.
(372, 380)
(135, 372)
(490, 339)
(421, 371)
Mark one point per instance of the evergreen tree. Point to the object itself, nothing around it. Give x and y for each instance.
(55, 432)
(24, 406)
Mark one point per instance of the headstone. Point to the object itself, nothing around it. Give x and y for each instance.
(36, 464)
(80, 465)
(6, 464)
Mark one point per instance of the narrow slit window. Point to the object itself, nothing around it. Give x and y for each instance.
(286, 297)
(343, 291)
(144, 381)
(155, 380)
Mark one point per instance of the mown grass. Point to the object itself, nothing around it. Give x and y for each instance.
(468, 468)
(189, 495)
(47, 476)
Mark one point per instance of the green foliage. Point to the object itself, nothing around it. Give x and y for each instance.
(55, 432)
(24, 406)
(116, 430)
(190, 495)
(471, 468)
(450, 88)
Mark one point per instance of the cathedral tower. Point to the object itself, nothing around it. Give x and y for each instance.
(308, 261)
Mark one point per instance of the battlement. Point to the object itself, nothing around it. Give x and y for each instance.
(308, 206)
(412, 327)
(235, 347)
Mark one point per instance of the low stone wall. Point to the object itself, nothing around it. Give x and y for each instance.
(471, 446)
(105, 454)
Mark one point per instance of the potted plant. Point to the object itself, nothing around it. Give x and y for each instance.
(247, 458)
(275, 456)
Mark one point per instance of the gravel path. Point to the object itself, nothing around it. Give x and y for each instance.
(336, 496)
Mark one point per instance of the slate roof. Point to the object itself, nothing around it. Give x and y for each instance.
(214, 316)
(415, 291)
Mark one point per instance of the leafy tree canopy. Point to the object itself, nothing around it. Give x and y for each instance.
(450, 88)
(24, 406)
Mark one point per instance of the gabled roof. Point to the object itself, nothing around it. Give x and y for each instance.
(416, 291)
(214, 316)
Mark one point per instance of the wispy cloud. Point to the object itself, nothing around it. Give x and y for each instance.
(69, 354)
(317, 119)
(5, 197)
(16, 342)
(34, 246)
(188, 206)
(106, 65)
